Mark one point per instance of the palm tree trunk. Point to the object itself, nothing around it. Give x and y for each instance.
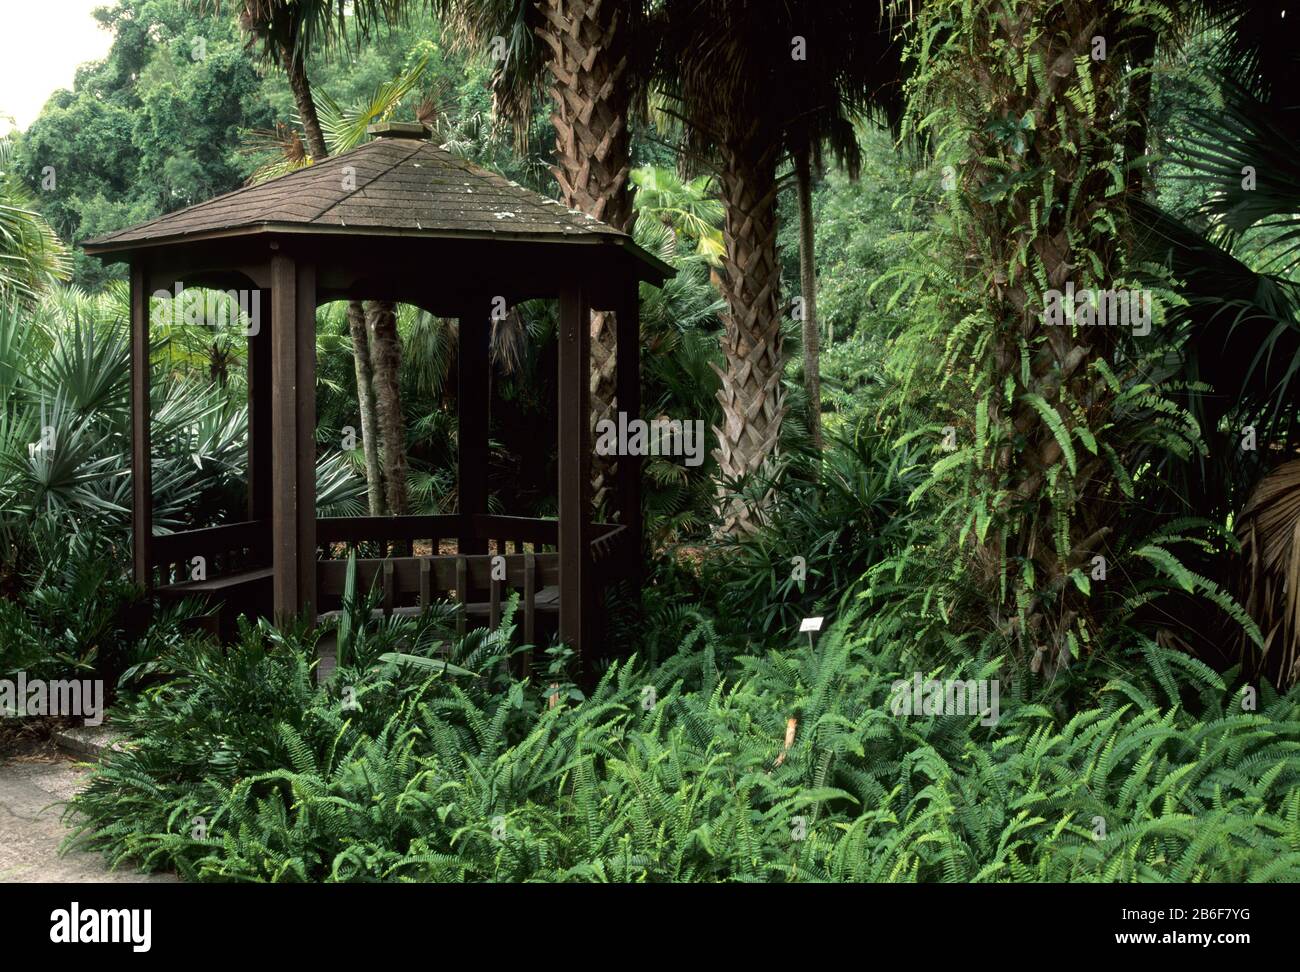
(808, 282)
(371, 369)
(300, 85)
(366, 402)
(751, 395)
(588, 63)
(386, 367)
(381, 322)
(296, 71)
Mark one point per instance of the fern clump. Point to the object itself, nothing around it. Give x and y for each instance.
(787, 766)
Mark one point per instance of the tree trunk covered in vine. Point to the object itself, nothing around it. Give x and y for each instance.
(1038, 88)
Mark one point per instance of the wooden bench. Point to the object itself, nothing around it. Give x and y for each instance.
(214, 585)
(245, 591)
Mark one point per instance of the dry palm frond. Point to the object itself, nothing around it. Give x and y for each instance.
(282, 147)
(1270, 539)
(509, 340)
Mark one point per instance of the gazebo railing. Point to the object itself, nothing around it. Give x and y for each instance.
(412, 561)
(337, 536)
(238, 548)
(411, 582)
(411, 585)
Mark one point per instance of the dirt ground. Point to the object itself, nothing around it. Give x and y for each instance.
(35, 779)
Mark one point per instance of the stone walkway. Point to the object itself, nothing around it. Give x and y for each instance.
(32, 790)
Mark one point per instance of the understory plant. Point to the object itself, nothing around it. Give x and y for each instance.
(424, 760)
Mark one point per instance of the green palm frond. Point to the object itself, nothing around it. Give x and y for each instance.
(345, 127)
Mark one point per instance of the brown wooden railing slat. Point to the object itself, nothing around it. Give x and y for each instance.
(462, 593)
(355, 529)
(530, 608)
(486, 526)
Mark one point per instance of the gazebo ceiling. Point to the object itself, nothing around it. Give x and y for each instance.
(397, 185)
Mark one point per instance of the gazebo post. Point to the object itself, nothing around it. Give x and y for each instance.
(574, 460)
(628, 392)
(141, 466)
(293, 437)
(472, 404)
(259, 422)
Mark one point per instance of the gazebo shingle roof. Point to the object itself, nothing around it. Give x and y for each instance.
(399, 185)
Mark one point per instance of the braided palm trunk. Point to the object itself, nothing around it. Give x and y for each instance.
(588, 63)
(751, 395)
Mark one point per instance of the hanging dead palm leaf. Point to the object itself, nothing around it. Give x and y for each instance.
(1269, 529)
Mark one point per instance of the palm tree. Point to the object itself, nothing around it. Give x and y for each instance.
(286, 31)
(690, 208)
(753, 80)
(583, 49)
(849, 66)
(32, 257)
(719, 66)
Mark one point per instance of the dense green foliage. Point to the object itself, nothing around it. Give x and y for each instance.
(239, 769)
(978, 462)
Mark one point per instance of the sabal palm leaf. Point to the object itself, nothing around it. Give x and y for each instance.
(298, 26)
(32, 257)
(1242, 326)
(518, 76)
(691, 208)
(86, 366)
(345, 127)
(339, 490)
(281, 147)
(1247, 151)
(54, 462)
(1255, 44)
(16, 332)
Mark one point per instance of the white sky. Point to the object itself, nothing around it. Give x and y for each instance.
(41, 45)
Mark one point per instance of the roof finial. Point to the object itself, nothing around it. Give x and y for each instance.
(392, 129)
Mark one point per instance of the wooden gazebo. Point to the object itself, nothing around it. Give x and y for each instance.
(395, 219)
